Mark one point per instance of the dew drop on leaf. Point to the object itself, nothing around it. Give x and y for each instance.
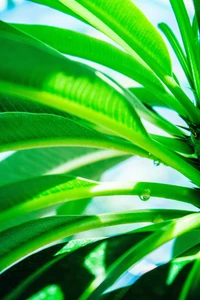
(145, 195)
(156, 162)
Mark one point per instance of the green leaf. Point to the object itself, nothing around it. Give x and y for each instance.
(149, 287)
(22, 197)
(123, 22)
(134, 254)
(44, 267)
(87, 47)
(197, 11)
(66, 85)
(58, 6)
(99, 52)
(186, 242)
(50, 292)
(179, 145)
(27, 130)
(29, 163)
(103, 53)
(19, 241)
(69, 160)
(56, 81)
(150, 100)
(188, 39)
(191, 285)
(177, 50)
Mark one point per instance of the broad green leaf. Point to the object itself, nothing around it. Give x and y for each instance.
(56, 81)
(99, 52)
(87, 47)
(19, 241)
(123, 22)
(22, 197)
(137, 252)
(103, 53)
(27, 130)
(129, 34)
(66, 85)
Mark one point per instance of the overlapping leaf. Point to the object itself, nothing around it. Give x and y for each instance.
(30, 195)
(19, 241)
(123, 22)
(27, 130)
(66, 85)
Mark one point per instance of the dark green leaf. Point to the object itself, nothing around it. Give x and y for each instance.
(20, 241)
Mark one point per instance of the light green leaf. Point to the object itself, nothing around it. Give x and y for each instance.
(20, 241)
(26, 196)
(87, 47)
(66, 85)
(51, 79)
(123, 22)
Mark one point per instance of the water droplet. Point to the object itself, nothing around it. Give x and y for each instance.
(156, 162)
(145, 195)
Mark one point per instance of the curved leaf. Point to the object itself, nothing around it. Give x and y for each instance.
(87, 47)
(197, 12)
(66, 85)
(134, 254)
(55, 4)
(19, 241)
(123, 22)
(27, 130)
(188, 39)
(25, 164)
(22, 197)
(148, 285)
(191, 285)
(177, 50)
(98, 51)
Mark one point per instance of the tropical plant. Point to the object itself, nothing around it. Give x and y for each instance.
(67, 123)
